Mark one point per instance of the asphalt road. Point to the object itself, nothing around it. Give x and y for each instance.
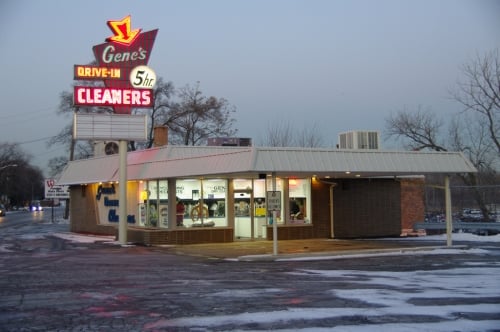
(51, 284)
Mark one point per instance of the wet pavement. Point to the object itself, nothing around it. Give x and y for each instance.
(52, 283)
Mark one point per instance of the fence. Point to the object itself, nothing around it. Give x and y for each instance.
(466, 204)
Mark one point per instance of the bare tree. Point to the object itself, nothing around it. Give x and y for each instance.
(419, 129)
(475, 131)
(283, 134)
(469, 135)
(279, 134)
(76, 149)
(309, 137)
(162, 92)
(480, 92)
(423, 130)
(195, 117)
(20, 181)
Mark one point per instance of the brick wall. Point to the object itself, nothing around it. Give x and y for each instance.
(180, 236)
(412, 203)
(293, 232)
(367, 208)
(83, 213)
(320, 200)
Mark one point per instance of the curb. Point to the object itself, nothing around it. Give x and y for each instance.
(341, 254)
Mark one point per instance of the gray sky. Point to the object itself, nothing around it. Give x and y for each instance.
(338, 65)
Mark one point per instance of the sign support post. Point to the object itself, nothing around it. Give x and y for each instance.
(273, 201)
(449, 225)
(275, 223)
(122, 221)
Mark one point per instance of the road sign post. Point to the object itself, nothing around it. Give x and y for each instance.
(273, 200)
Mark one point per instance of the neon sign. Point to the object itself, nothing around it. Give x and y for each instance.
(119, 97)
(96, 73)
(116, 59)
(122, 30)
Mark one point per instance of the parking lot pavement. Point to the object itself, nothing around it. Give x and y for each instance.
(58, 281)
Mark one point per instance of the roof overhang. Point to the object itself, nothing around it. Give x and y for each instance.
(253, 162)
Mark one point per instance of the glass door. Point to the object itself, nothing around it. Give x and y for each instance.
(243, 215)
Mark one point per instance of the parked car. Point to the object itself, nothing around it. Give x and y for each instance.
(2, 210)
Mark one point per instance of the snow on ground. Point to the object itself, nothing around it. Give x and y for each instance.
(5, 248)
(84, 238)
(392, 252)
(455, 237)
(466, 237)
(388, 293)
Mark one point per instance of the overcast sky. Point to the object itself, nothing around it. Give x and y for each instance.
(338, 65)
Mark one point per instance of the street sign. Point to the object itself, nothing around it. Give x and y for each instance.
(274, 200)
(52, 190)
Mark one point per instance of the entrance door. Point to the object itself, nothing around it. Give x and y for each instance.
(243, 215)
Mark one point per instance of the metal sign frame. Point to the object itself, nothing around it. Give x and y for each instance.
(110, 127)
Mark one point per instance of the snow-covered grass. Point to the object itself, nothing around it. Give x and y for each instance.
(382, 253)
(84, 238)
(468, 237)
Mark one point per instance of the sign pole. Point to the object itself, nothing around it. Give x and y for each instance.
(122, 221)
(449, 225)
(275, 223)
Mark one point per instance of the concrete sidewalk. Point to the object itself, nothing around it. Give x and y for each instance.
(263, 250)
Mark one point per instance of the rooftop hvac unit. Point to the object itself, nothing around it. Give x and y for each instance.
(229, 141)
(105, 148)
(359, 140)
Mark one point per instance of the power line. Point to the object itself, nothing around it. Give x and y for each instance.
(49, 151)
(36, 140)
(48, 109)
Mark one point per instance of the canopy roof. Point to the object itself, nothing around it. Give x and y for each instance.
(237, 162)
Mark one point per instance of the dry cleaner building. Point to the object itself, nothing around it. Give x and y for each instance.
(193, 194)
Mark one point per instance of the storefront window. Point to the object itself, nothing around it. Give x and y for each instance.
(259, 196)
(214, 197)
(203, 207)
(242, 184)
(153, 207)
(299, 193)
